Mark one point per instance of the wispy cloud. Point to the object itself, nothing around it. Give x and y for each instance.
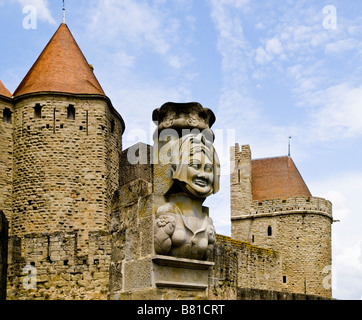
(343, 190)
(339, 113)
(42, 9)
(145, 50)
(233, 48)
(299, 51)
(144, 25)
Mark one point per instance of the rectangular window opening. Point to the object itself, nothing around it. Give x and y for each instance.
(7, 115)
(37, 111)
(71, 112)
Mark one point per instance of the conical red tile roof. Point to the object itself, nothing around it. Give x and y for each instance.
(61, 67)
(273, 178)
(3, 91)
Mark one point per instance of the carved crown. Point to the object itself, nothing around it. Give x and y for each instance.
(191, 115)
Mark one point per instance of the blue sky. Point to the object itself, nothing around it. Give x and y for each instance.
(268, 70)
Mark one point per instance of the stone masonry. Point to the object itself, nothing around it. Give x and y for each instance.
(6, 155)
(78, 213)
(45, 199)
(298, 228)
(3, 254)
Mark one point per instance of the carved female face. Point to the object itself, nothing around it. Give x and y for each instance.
(196, 165)
(200, 174)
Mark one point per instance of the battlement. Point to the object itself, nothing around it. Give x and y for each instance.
(51, 267)
(287, 206)
(239, 153)
(243, 244)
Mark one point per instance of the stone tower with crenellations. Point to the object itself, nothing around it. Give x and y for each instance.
(272, 207)
(77, 217)
(62, 139)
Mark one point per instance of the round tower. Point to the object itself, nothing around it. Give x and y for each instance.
(282, 215)
(6, 150)
(67, 145)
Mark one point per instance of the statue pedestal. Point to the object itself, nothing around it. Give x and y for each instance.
(162, 234)
(137, 273)
(180, 273)
(165, 278)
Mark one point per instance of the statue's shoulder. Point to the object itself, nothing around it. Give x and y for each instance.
(168, 209)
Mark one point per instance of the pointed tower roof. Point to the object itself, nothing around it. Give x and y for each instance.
(278, 177)
(61, 67)
(4, 92)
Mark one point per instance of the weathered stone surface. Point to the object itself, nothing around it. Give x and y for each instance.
(188, 274)
(88, 220)
(3, 254)
(258, 294)
(182, 228)
(298, 228)
(58, 271)
(138, 274)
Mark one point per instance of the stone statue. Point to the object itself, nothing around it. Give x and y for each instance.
(183, 227)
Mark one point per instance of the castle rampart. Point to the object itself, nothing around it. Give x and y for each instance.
(52, 268)
(239, 264)
(274, 207)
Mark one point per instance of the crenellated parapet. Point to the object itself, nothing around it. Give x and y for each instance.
(274, 207)
(49, 266)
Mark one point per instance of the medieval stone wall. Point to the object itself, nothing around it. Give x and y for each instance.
(6, 156)
(259, 294)
(300, 230)
(52, 268)
(240, 264)
(65, 165)
(3, 254)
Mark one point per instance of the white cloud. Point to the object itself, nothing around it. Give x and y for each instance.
(144, 98)
(132, 22)
(123, 60)
(341, 46)
(339, 113)
(348, 269)
(42, 9)
(274, 46)
(262, 57)
(343, 190)
(234, 48)
(340, 203)
(259, 26)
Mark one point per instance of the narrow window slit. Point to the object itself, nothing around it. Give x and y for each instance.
(37, 111)
(71, 112)
(7, 115)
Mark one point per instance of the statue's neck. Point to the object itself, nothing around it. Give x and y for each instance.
(189, 206)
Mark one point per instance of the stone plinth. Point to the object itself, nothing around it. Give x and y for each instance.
(189, 274)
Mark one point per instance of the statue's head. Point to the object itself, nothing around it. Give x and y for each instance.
(195, 165)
